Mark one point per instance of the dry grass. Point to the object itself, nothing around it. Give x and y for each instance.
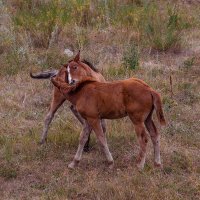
(30, 171)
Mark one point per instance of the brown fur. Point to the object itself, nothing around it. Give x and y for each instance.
(58, 98)
(96, 101)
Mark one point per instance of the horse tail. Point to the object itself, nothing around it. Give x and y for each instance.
(158, 107)
(44, 75)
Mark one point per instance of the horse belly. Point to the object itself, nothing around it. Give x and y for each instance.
(112, 110)
(113, 115)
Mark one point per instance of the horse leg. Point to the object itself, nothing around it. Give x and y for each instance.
(87, 144)
(76, 114)
(103, 124)
(98, 129)
(142, 140)
(82, 121)
(57, 101)
(82, 140)
(155, 138)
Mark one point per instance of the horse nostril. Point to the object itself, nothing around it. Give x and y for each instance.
(72, 82)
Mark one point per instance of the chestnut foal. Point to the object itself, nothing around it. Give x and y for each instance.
(58, 98)
(96, 101)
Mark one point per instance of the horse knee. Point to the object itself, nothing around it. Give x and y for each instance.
(48, 118)
(103, 124)
(144, 138)
(87, 129)
(83, 139)
(155, 139)
(84, 135)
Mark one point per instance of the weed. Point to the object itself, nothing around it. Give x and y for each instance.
(8, 172)
(131, 57)
(187, 93)
(187, 64)
(53, 58)
(8, 148)
(38, 186)
(169, 103)
(156, 72)
(2, 140)
(15, 62)
(41, 21)
(162, 30)
(117, 72)
(72, 191)
(81, 37)
(180, 161)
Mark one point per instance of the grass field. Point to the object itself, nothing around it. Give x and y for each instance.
(152, 41)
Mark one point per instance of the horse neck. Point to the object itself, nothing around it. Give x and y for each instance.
(72, 97)
(97, 76)
(75, 95)
(88, 70)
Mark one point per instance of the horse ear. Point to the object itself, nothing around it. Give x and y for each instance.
(77, 57)
(64, 65)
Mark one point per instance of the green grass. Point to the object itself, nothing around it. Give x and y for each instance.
(153, 30)
(40, 20)
(131, 57)
(43, 169)
(8, 172)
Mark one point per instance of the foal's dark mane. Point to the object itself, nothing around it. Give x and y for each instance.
(89, 64)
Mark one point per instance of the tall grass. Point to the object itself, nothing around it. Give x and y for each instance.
(41, 20)
(37, 26)
(36, 33)
(131, 57)
(162, 29)
(158, 27)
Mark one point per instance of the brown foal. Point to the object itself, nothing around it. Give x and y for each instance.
(95, 101)
(58, 98)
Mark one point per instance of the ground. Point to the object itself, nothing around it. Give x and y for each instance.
(31, 171)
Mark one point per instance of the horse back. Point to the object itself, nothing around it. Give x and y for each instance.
(116, 99)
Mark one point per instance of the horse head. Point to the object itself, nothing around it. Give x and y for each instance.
(78, 70)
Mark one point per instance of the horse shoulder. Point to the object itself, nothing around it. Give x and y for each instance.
(87, 98)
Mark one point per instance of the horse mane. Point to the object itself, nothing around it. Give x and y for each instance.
(90, 65)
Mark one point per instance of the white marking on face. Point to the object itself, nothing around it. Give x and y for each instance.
(69, 75)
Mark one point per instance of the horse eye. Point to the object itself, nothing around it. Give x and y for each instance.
(75, 67)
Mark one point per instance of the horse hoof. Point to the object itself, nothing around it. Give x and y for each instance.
(158, 165)
(73, 164)
(111, 165)
(41, 142)
(140, 166)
